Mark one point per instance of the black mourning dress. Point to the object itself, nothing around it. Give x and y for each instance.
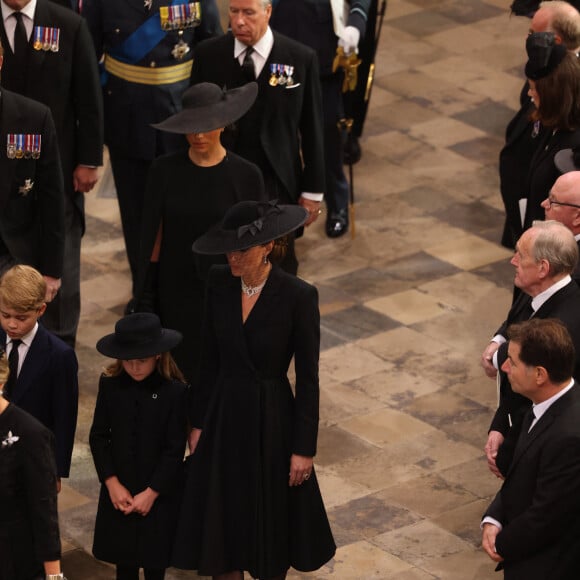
(188, 200)
(238, 511)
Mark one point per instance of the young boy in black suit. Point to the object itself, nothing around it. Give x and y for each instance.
(43, 369)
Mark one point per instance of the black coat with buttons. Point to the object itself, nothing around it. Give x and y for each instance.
(138, 434)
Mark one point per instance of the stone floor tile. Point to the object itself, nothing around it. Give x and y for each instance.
(481, 389)
(463, 521)
(363, 560)
(489, 116)
(346, 363)
(468, 11)
(442, 132)
(442, 408)
(469, 252)
(421, 24)
(428, 496)
(477, 149)
(368, 516)
(358, 322)
(419, 542)
(339, 401)
(385, 426)
(471, 564)
(335, 490)
(474, 477)
(407, 307)
(69, 498)
(394, 387)
(337, 444)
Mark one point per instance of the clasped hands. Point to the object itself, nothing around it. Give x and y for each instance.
(124, 502)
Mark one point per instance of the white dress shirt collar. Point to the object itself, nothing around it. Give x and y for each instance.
(549, 292)
(542, 407)
(262, 50)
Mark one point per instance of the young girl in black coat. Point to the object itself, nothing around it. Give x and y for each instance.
(138, 441)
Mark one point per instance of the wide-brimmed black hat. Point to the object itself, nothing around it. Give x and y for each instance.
(206, 107)
(251, 223)
(544, 54)
(138, 335)
(568, 160)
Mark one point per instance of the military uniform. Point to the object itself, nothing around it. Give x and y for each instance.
(31, 188)
(61, 72)
(146, 46)
(311, 22)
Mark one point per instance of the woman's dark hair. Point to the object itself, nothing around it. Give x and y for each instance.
(559, 95)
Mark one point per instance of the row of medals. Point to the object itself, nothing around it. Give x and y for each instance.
(46, 38)
(20, 145)
(179, 17)
(281, 74)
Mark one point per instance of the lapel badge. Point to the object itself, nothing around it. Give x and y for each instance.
(25, 189)
(9, 440)
(148, 4)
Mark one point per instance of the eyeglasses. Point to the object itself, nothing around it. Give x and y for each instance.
(551, 201)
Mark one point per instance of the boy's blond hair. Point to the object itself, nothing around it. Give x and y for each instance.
(22, 288)
(3, 368)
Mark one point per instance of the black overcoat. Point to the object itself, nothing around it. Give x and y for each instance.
(138, 434)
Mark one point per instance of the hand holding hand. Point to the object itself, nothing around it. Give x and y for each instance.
(121, 499)
(143, 501)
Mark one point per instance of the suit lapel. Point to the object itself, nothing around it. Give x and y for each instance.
(36, 57)
(546, 308)
(541, 426)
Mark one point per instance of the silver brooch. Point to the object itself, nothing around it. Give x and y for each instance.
(9, 440)
(25, 189)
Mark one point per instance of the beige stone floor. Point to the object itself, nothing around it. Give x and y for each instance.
(407, 307)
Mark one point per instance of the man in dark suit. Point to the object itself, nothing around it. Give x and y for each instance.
(49, 58)
(43, 369)
(282, 132)
(317, 25)
(545, 256)
(532, 527)
(31, 188)
(563, 205)
(524, 136)
(147, 63)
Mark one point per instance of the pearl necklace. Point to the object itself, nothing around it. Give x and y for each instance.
(250, 291)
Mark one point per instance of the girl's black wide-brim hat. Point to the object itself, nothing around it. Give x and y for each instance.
(138, 335)
(251, 223)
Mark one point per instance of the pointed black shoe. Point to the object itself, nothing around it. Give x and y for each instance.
(336, 225)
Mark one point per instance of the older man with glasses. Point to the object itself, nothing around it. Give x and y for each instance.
(563, 205)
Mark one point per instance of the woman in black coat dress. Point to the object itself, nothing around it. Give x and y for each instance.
(29, 534)
(251, 500)
(187, 193)
(554, 76)
(138, 440)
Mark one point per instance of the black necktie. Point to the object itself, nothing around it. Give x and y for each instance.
(248, 68)
(20, 43)
(13, 358)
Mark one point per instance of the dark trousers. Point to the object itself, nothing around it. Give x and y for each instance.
(336, 196)
(63, 313)
(132, 573)
(130, 177)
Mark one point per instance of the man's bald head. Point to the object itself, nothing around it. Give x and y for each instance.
(562, 19)
(562, 201)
